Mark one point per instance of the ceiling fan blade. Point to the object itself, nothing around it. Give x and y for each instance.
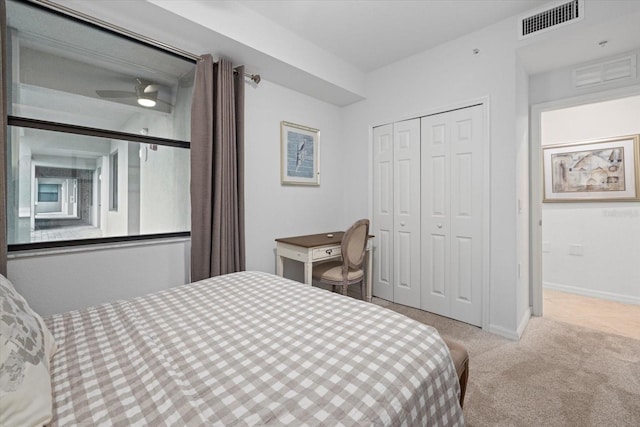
(115, 94)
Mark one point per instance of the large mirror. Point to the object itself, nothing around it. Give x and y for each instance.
(67, 80)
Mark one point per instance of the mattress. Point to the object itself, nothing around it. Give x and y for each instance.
(249, 348)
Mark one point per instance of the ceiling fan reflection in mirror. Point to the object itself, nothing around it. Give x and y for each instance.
(145, 92)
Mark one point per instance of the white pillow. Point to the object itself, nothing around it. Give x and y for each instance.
(26, 347)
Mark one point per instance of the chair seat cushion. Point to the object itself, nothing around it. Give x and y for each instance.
(332, 272)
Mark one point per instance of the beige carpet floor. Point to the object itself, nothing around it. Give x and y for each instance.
(556, 375)
(593, 313)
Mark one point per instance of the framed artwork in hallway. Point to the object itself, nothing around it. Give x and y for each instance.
(592, 171)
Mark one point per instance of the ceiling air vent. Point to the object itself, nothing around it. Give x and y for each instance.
(605, 72)
(563, 13)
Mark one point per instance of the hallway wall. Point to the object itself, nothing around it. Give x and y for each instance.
(607, 233)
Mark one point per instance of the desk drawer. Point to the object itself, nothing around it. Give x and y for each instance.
(326, 252)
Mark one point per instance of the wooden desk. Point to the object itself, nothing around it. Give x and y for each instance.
(315, 248)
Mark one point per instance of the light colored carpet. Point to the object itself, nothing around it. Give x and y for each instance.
(556, 375)
(593, 313)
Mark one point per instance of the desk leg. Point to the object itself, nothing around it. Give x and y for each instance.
(308, 269)
(280, 265)
(369, 277)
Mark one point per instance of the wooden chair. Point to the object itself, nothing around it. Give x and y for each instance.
(350, 270)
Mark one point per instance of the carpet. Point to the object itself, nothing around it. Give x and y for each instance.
(556, 375)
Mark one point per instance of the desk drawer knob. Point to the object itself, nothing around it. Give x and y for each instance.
(329, 251)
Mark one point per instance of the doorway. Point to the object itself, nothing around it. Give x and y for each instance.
(583, 252)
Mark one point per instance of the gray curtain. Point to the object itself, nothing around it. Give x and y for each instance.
(3, 141)
(217, 170)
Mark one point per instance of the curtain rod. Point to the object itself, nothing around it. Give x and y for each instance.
(128, 33)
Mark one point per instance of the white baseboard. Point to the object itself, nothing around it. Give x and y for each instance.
(522, 325)
(610, 296)
(511, 334)
(504, 332)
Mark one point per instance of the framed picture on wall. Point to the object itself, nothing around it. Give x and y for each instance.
(593, 171)
(299, 154)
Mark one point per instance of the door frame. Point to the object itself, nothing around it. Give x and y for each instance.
(535, 176)
(485, 101)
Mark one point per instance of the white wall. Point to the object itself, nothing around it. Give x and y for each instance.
(170, 197)
(164, 203)
(25, 184)
(116, 220)
(450, 75)
(274, 210)
(523, 301)
(57, 282)
(609, 233)
(181, 112)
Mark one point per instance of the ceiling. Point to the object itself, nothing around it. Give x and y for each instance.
(326, 48)
(372, 34)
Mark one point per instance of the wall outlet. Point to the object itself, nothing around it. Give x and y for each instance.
(576, 249)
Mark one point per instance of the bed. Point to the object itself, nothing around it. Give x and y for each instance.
(249, 348)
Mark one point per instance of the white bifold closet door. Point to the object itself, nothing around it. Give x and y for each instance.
(451, 195)
(383, 210)
(396, 216)
(406, 218)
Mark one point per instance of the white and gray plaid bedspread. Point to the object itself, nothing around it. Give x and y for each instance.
(250, 349)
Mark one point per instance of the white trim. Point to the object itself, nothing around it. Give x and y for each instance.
(29, 253)
(486, 212)
(513, 335)
(609, 296)
(504, 332)
(524, 321)
(436, 110)
(535, 157)
(370, 178)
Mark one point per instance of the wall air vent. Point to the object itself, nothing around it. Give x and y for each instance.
(566, 12)
(605, 72)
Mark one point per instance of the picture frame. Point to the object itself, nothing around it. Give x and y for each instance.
(299, 154)
(605, 170)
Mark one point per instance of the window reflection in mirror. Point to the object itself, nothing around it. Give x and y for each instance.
(98, 139)
(66, 187)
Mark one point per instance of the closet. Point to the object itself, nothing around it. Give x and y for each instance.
(396, 218)
(428, 202)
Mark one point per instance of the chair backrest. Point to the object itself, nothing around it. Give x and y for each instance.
(354, 244)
